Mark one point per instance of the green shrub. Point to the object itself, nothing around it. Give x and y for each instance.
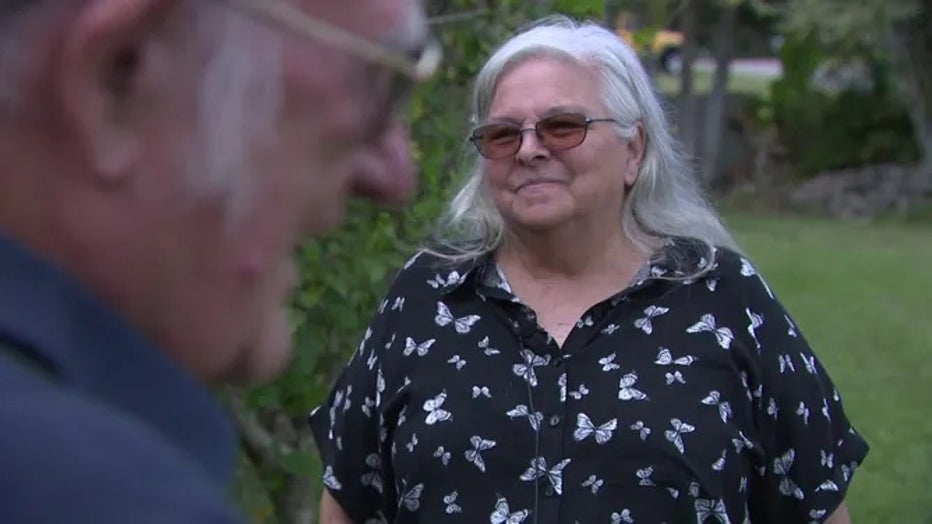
(824, 130)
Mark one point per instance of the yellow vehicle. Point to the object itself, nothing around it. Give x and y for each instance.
(664, 45)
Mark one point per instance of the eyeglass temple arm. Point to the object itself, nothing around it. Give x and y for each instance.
(290, 17)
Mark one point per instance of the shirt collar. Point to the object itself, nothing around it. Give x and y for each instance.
(51, 319)
(678, 257)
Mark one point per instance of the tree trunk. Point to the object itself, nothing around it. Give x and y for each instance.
(715, 111)
(910, 46)
(687, 120)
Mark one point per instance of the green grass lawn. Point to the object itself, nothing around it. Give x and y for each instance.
(863, 297)
(702, 83)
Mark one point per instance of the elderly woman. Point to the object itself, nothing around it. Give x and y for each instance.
(587, 344)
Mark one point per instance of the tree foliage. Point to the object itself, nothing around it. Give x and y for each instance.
(893, 36)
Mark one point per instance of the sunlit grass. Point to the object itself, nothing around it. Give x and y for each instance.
(863, 297)
(702, 83)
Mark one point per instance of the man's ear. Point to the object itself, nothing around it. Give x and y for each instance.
(104, 54)
(636, 145)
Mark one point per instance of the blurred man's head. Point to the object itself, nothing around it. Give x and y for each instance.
(172, 153)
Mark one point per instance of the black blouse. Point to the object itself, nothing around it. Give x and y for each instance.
(673, 401)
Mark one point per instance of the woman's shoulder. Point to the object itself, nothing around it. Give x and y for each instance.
(434, 270)
(691, 258)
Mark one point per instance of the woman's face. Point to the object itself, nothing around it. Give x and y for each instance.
(539, 187)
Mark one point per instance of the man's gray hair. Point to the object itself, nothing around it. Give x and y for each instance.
(665, 202)
(240, 99)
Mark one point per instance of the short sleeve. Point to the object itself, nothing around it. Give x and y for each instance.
(811, 449)
(346, 432)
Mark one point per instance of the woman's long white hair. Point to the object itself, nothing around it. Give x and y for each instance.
(665, 202)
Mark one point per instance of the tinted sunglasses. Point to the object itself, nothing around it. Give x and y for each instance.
(556, 133)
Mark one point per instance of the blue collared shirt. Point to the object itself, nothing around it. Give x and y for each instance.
(96, 424)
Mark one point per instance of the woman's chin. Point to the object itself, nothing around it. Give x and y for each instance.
(540, 219)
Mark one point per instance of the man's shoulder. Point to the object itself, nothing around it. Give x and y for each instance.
(68, 458)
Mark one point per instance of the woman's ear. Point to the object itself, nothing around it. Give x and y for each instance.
(636, 146)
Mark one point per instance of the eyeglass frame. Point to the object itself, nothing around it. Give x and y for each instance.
(287, 16)
(588, 121)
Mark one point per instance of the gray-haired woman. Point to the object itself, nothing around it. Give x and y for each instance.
(586, 343)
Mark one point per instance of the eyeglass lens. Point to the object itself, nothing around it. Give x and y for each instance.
(557, 132)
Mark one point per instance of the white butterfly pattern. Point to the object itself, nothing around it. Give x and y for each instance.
(828, 485)
(608, 363)
(773, 409)
(398, 304)
(594, 483)
(580, 392)
(525, 370)
(803, 411)
(786, 363)
(538, 469)
(487, 350)
(452, 279)
(413, 444)
(450, 501)
(443, 455)
(642, 430)
(665, 358)
(457, 361)
(724, 408)
(420, 348)
(644, 323)
(810, 363)
(330, 480)
(462, 325)
(373, 477)
(434, 412)
(706, 324)
(719, 464)
(755, 322)
(481, 391)
(626, 389)
(503, 515)
(782, 466)
(644, 475)
(479, 445)
(711, 509)
(791, 331)
(411, 499)
(522, 411)
(585, 428)
(675, 435)
(676, 376)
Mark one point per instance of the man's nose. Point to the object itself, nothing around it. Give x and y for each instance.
(384, 172)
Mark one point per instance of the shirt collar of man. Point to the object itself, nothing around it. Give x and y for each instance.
(54, 322)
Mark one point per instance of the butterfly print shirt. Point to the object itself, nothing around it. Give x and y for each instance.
(694, 400)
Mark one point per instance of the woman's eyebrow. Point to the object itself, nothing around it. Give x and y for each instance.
(564, 108)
